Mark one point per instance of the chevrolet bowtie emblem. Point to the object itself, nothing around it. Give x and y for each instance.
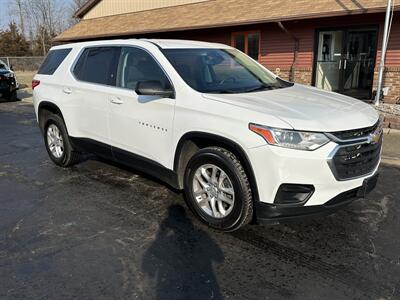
(373, 138)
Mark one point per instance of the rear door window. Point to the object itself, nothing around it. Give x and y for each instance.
(53, 61)
(98, 65)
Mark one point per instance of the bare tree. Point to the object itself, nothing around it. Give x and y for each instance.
(73, 8)
(17, 10)
(20, 10)
(42, 20)
(48, 18)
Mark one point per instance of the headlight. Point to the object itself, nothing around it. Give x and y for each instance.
(9, 75)
(301, 140)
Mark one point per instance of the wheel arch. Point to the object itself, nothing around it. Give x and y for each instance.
(191, 142)
(46, 108)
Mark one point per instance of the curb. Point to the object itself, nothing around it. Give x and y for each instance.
(390, 161)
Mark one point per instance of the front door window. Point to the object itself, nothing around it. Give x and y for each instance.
(345, 61)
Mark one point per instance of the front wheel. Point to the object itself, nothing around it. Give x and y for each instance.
(217, 189)
(13, 96)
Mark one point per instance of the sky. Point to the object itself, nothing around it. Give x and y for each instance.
(5, 17)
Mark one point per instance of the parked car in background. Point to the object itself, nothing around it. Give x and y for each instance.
(206, 118)
(8, 82)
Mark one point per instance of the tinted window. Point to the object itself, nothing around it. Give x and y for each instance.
(248, 42)
(253, 45)
(3, 65)
(239, 42)
(138, 65)
(98, 65)
(53, 61)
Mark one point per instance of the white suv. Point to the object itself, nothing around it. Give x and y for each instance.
(243, 144)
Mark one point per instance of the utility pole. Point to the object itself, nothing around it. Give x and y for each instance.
(383, 52)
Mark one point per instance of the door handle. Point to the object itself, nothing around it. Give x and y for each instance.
(67, 91)
(345, 64)
(116, 100)
(340, 64)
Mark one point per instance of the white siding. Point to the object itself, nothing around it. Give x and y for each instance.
(115, 7)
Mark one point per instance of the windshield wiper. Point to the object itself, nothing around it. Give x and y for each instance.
(258, 88)
(248, 90)
(223, 92)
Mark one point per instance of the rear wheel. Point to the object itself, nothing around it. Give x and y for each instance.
(10, 96)
(57, 142)
(217, 189)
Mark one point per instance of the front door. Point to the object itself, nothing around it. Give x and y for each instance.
(346, 60)
(140, 125)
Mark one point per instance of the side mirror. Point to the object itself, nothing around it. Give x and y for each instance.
(153, 88)
(11, 67)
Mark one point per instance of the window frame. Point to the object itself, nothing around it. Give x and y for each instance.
(246, 40)
(152, 56)
(82, 50)
(78, 57)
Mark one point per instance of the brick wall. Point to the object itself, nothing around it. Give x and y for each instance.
(391, 79)
(301, 75)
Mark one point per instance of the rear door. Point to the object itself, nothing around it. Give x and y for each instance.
(87, 96)
(140, 124)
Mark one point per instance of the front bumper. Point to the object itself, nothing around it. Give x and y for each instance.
(6, 86)
(275, 214)
(274, 166)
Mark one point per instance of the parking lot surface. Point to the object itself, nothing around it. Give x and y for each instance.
(97, 231)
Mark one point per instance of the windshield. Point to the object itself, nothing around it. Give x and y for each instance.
(3, 65)
(222, 71)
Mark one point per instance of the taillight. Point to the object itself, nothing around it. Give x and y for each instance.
(35, 83)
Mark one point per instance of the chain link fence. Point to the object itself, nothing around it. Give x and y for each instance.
(24, 63)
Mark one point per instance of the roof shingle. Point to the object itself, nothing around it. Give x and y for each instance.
(216, 13)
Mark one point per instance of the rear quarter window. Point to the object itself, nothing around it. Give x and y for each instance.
(53, 61)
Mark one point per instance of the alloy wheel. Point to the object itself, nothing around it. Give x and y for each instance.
(55, 141)
(213, 191)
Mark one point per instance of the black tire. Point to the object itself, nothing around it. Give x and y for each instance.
(12, 96)
(242, 211)
(69, 156)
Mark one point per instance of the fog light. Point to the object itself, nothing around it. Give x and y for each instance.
(293, 193)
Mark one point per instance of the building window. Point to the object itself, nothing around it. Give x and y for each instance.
(247, 42)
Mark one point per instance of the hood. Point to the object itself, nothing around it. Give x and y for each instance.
(305, 108)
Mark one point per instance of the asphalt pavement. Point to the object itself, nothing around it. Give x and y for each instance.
(98, 231)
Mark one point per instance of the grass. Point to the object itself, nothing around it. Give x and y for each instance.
(25, 82)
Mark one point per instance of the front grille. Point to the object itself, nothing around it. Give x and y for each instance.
(355, 133)
(356, 160)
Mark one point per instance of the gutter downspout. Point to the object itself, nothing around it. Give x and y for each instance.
(383, 52)
(295, 50)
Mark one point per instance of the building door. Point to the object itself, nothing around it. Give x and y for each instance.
(346, 60)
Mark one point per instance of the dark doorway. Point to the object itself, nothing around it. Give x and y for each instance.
(345, 61)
